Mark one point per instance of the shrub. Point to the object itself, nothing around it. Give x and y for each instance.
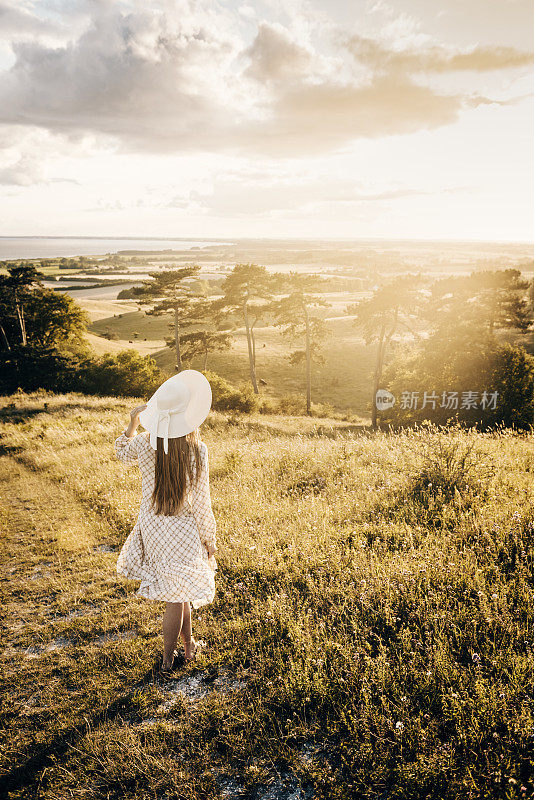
(230, 398)
(323, 410)
(292, 403)
(448, 477)
(268, 405)
(35, 367)
(126, 373)
(121, 374)
(130, 294)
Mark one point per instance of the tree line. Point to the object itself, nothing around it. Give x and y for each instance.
(423, 329)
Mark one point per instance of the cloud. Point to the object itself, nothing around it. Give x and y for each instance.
(313, 118)
(245, 198)
(378, 56)
(24, 172)
(275, 56)
(177, 77)
(130, 75)
(18, 20)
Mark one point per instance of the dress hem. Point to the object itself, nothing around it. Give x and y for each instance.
(146, 590)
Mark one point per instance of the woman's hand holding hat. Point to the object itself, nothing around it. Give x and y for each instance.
(134, 419)
(137, 410)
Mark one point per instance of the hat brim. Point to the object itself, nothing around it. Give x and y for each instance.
(196, 411)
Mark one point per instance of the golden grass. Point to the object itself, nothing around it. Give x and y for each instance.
(375, 614)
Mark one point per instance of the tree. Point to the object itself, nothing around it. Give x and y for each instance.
(531, 297)
(450, 374)
(248, 290)
(381, 316)
(201, 343)
(170, 291)
(207, 318)
(54, 318)
(464, 378)
(492, 299)
(15, 289)
(292, 314)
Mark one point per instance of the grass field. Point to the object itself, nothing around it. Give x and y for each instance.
(371, 636)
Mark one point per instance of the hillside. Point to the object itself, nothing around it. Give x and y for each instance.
(371, 634)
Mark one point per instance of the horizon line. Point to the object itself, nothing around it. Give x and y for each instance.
(270, 238)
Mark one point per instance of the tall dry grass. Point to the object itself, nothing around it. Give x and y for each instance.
(375, 592)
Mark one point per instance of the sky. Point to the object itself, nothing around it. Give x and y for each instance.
(297, 118)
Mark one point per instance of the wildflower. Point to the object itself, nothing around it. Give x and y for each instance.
(475, 657)
(399, 726)
(494, 596)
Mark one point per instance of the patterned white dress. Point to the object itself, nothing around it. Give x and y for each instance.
(167, 552)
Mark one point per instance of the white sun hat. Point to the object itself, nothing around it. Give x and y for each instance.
(177, 407)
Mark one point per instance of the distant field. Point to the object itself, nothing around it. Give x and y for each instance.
(371, 635)
(344, 380)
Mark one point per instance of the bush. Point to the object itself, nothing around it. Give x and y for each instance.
(122, 374)
(512, 376)
(323, 410)
(447, 477)
(230, 398)
(36, 367)
(269, 405)
(130, 294)
(293, 404)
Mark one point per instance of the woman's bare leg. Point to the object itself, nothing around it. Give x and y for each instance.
(172, 625)
(186, 634)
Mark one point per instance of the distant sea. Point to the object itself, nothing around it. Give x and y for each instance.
(64, 247)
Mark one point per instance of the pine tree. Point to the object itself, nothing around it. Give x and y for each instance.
(293, 314)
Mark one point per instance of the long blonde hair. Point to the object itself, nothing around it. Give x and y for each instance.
(173, 469)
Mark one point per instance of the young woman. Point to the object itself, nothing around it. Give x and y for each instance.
(171, 547)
